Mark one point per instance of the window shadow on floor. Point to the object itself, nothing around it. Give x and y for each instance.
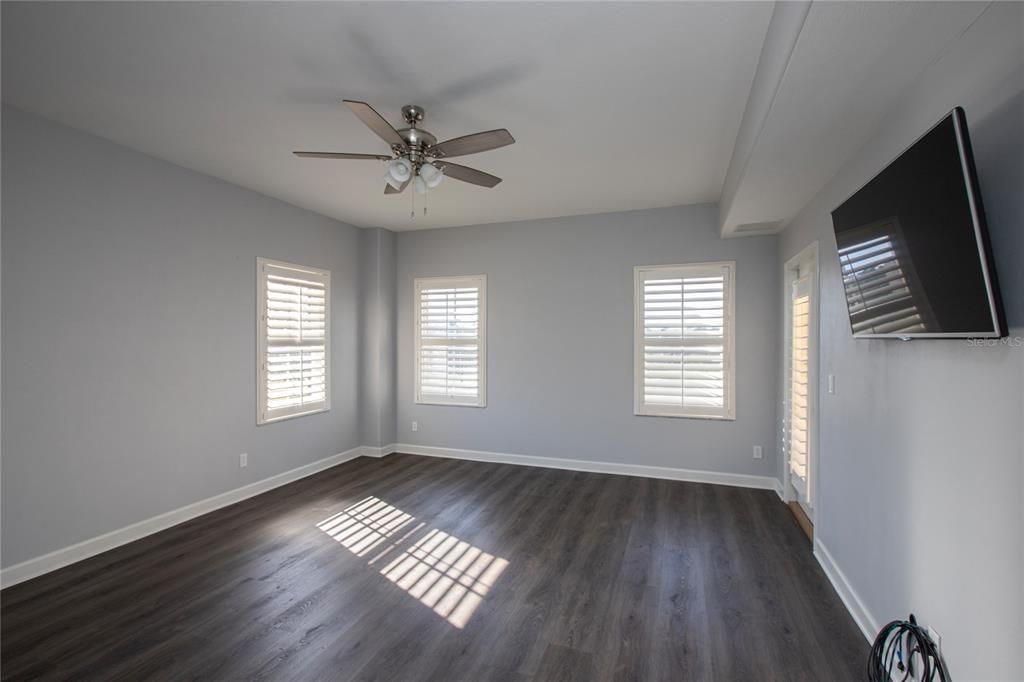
(449, 575)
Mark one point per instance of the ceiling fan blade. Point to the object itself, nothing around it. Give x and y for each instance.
(467, 174)
(375, 122)
(471, 144)
(341, 155)
(388, 189)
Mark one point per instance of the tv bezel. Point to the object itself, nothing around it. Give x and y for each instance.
(995, 304)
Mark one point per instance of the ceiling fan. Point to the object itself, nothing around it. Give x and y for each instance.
(416, 155)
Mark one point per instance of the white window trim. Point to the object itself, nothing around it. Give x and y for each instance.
(262, 415)
(479, 281)
(640, 408)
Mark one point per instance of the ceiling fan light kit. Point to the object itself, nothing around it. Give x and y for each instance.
(416, 155)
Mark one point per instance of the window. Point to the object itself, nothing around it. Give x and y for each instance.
(451, 347)
(683, 365)
(293, 359)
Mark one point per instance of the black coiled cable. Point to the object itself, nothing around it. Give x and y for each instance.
(900, 646)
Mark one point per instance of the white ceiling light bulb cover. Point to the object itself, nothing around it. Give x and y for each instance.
(431, 175)
(391, 181)
(399, 171)
(420, 185)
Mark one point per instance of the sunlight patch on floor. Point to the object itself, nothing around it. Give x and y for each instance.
(365, 525)
(449, 575)
(442, 572)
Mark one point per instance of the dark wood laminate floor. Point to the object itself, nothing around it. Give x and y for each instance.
(412, 568)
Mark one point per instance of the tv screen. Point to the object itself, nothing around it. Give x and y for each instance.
(913, 245)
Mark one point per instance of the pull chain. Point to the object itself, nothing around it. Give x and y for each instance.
(412, 196)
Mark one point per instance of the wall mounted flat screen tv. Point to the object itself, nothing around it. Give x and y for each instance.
(913, 245)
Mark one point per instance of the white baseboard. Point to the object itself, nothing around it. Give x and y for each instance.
(371, 451)
(741, 480)
(779, 490)
(865, 621)
(31, 568)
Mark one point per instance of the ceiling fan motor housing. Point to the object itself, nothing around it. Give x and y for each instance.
(416, 139)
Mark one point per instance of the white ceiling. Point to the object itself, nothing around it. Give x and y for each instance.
(614, 106)
(845, 67)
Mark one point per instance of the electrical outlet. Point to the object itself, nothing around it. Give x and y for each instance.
(415, 426)
(243, 460)
(832, 384)
(758, 452)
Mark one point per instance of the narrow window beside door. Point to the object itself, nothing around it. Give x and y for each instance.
(451, 343)
(683, 365)
(293, 340)
(798, 387)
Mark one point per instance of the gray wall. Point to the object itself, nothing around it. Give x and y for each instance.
(560, 340)
(377, 336)
(129, 290)
(921, 455)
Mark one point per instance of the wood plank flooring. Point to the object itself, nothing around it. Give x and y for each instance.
(413, 568)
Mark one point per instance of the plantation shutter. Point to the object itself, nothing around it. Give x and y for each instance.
(684, 344)
(293, 340)
(450, 341)
(799, 367)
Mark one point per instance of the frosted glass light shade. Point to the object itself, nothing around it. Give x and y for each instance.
(399, 170)
(431, 175)
(391, 181)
